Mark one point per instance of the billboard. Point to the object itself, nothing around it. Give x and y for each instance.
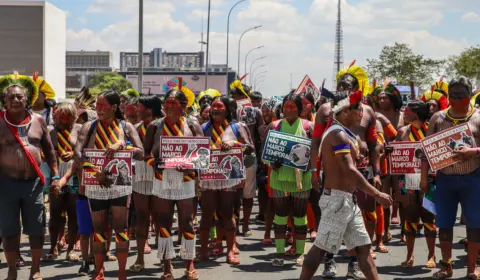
(161, 83)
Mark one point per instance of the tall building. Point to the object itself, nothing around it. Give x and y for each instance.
(33, 40)
(82, 65)
(156, 61)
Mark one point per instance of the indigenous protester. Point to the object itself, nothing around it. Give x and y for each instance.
(436, 100)
(24, 137)
(341, 218)
(252, 117)
(288, 197)
(110, 132)
(457, 183)
(218, 196)
(174, 186)
(131, 114)
(415, 116)
(64, 135)
(257, 99)
(352, 79)
(204, 113)
(149, 110)
(125, 97)
(46, 100)
(206, 97)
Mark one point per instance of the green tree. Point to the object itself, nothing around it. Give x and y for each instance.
(109, 80)
(467, 63)
(401, 63)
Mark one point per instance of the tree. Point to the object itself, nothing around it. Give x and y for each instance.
(109, 80)
(401, 63)
(468, 63)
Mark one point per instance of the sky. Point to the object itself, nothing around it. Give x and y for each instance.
(297, 35)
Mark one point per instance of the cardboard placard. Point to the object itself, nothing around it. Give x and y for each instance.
(246, 111)
(406, 158)
(290, 150)
(118, 168)
(440, 146)
(366, 168)
(186, 152)
(224, 165)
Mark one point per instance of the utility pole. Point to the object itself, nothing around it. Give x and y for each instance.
(338, 56)
(208, 45)
(140, 47)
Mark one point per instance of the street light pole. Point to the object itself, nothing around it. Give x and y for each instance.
(247, 57)
(252, 65)
(140, 46)
(228, 33)
(239, 44)
(258, 75)
(208, 45)
(253, 72)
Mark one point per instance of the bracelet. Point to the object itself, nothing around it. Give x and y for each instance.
(55, 178)
(313, 170)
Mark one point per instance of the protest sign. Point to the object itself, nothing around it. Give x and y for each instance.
(365, 168)
(118, 168)
(246, 111)
(224, 165)
(406, 158)
(440, 146)
(186, 152)
(289, 150)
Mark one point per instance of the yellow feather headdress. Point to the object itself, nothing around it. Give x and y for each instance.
(130, 93)
(31, 88)
(238, 85)
(213, 93)
(44, 87)
(441, 87)
(358, 72)
(188, 92)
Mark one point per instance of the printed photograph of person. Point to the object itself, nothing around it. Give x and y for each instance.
(250, 116)
(237, 170)
(203, 159)
(300, 155)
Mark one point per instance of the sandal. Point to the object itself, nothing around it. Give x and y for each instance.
(267, 241)
(109, 257)
(20, 262)
(168, 276)
(290, 240)
(381, 249)
(408, 263)
(77, 247)
(431, 263)
(136, 268)
(387, 237)
(247, 233)
(233, 260)
(36, 276)
(217, 251)
(299, 260)
(277, 262)
(191, 275)
(292, 252)
(72, 257)
(147, 249)
(395, 221)
(445, 272)
(235, 250)
(474, 276)
(313, 235)
(49, 257)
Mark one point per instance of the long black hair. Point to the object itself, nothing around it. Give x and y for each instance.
(296, 98)
(177, 94)
(228, 105)
(113, 98)
(152, 102)
(420, 108)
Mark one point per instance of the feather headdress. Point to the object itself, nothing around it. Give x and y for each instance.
(342, 99)
(31, 88)
(358, 73)
(437, 96)
(85, 99)
(130, 93)
(473, 100)
(441, 87)
(391, 91)
(188, 92)
(44, 87)
(237, 84)
(213, 93)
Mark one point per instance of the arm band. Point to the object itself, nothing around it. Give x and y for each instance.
(390, 131)
(381, 138)
(341, 149)
(372, 135)
(318, 130)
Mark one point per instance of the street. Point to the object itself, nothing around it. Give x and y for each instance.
(256, 262)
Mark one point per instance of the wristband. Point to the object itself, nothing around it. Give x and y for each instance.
(55, 178)
(313, 170)
(378, 172)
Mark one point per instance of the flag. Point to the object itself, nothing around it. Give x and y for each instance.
(429, 199)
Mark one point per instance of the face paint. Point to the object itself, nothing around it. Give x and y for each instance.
(307, 107)
(461, 104)
(218, 110)
(131, 110)
(64, 121)
(290, 110)
(409, 116)
(173, 107)
(104, 109)
(433, 106)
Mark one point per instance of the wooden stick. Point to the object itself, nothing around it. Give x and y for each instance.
(298, 178)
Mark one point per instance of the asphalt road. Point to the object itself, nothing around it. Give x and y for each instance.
(256, 262)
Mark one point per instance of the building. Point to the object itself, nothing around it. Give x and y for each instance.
(34, 40)
(158, 60)
(81, 66)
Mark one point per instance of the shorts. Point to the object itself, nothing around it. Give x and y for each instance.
(341, 220)
(101, 205)
(250, 188)
(21, 197)
(282, 194)
(84, 217)
(454, 189)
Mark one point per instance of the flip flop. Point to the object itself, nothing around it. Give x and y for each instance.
(191, 275)
(233, 260)
(49, 257)
(299, 260)
(395, 221)
(381, 249)
(147, 249)
(387, 237)
(408, 263)
(267, 241)
(109, 257)
(431, 263)
(72, 257)
(136, 268)
(277, 262)
(474, 276)
(292, 252)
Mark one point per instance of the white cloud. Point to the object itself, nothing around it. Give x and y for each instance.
(471, 17)
(295, 42)
(198, 14)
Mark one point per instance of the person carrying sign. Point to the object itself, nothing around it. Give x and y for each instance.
(290, 196)
(218, 196)
(410, 196)
(457, 183)
(341, 217)
(174, 186)
(109, 132)
(252, 117)
(149, 109)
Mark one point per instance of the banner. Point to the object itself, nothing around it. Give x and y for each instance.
(440, 146)
(118, 168)
(224, 165)
(366, 168)
(406, 158)
(289, 150)
(306, 83)
(186, 152)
